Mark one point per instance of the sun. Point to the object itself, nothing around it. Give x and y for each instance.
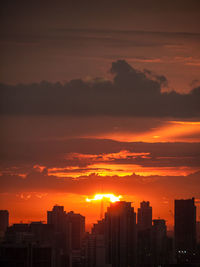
(110, 197)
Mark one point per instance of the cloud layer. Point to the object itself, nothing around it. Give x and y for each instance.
(77, 157)
(131, 93)
(133, 184)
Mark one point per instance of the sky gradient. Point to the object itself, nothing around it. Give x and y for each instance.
(98, 97)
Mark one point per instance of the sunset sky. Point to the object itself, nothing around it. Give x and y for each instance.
(98, 96)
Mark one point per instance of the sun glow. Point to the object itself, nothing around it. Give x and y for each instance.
(110, 197)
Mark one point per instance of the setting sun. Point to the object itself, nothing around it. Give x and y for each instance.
(111, 197)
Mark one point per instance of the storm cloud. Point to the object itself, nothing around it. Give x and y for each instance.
(130, 93)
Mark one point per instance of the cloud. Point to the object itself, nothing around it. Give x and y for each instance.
(131, 93)
(130, 184)
(77, 157)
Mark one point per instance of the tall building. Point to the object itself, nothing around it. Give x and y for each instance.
(99, 227)
(77, 225)
(144, 216)
(4, 220)
(99, 249)
(159, 242)
(77, 232)
(29, 245)
(144, 237)
(120, 234)
(95, 250)
(57, 218)
(70, 230)
(198, 231)
(185, 229)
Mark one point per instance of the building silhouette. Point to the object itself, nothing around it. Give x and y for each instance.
(77, 229)
(95, 250)
(69, 232)
(76, 224)
(4, 222)
(185, 229)
(198, 231)
(159, 242)
(144, 216)
(144, 235)
(120, 234)
(28, 245)
(57, 218)
(114, 241)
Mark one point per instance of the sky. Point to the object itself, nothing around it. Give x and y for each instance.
(98, 96)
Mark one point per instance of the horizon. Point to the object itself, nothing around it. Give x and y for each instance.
(106, 203)
(99, 97)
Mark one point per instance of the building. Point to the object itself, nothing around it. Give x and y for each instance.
(198, 231)
(43, 233)
(4, 222)
(29, 245)
(144, 216)
(26, 255)
(98, 233)
(57, 218)
(144, 237)
(159, 242)
(120, 234)
(185, 230)
(77, 231)
(70, 230)
(77, 224)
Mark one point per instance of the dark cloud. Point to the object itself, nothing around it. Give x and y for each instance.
(159, 78)
(87, 13)
(132, 93)
(133, 184)
(19, 157)
(195, 83)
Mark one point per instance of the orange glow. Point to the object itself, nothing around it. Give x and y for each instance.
(110, 197)
(123, 154)
(120, 170)
(106, 169)
(170, 131)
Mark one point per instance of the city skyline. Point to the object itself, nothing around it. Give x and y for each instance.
(99, 97)
(94, 206)
(144, 213)
(120, 238)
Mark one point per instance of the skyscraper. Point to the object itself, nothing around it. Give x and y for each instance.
(144, 216)
(144, 240)
(77, 225)
(57, 218)
(159, 241)
(120, 234)
(4, 220)
(198, 231)
(70, 230)
(185, 229)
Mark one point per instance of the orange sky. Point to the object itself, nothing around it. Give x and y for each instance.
(32, 206)
(92, 103)
(110, 165)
